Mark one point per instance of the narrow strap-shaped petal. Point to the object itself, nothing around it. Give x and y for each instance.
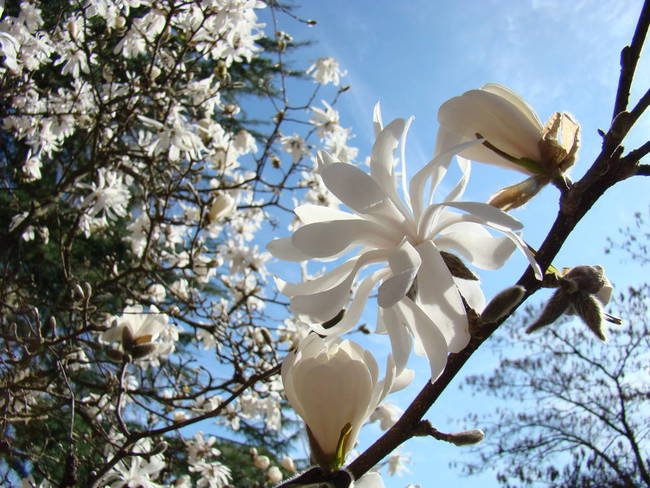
(436, 170)
(284, 249)
(324, 305)
(404, 264)
(399, 334)
(329, 239)
(377, 123)
(476, 244)
(440, 299)
(310, 214)
(430, 336)
(320, 283)
(355, 309)
(465, 166)
(353, 187)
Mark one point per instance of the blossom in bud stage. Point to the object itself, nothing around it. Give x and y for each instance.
(421, 290)
(274, 474)
(333, 385)
(466, 437)
(288, 464)
(512, 137)
(261, 462)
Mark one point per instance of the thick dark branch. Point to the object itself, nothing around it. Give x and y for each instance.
(629, 59)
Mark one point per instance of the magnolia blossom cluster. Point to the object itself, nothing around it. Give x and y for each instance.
(143, 186)
(411, 246)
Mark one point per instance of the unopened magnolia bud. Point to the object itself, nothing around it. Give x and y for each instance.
(253, 451)
(88, 290)
(590, 311)
(288, 464)
(274, 474)
(120, 22)
(502, 304)
(555, 307)
(261, 462)
(467, 437)
(78, 291)
(456, 267)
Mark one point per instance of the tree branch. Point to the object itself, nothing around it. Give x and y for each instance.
(629, 59)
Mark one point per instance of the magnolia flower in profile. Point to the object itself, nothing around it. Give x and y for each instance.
(421, 290)
(512, 137)
(333, 385)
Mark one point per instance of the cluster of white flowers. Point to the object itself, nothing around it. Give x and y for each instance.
(129, 116)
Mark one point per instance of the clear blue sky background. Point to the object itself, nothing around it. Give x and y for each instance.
(413, 55)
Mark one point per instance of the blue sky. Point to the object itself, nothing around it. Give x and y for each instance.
(413, 55)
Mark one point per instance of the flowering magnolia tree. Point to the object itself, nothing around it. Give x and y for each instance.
(149, 150)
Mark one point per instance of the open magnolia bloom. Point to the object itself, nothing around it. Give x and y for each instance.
(333, 385)
(513, 137)
(419, 297)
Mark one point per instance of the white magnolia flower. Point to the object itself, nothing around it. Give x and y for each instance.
(212, 474)
(514, 138)
(222, 206)
(333, 385)
(326, 70)
(138, 332)
(418, 295)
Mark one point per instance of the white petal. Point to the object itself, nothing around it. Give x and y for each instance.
(402, 380)
(496, 118)
(324, 305)
(323, 282)
(472, 293)
(476, 244)
(465, 166)
(516, 100)
(369, 480)
(376, 119)
(487, 213)
(398, 332)
(435, 169)
(355, 309)
(353, 187)
(284, 249)
(431, 338)
(440, 299)
(327, 239)
(404, 264)
(381, 159)
(310, 214)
